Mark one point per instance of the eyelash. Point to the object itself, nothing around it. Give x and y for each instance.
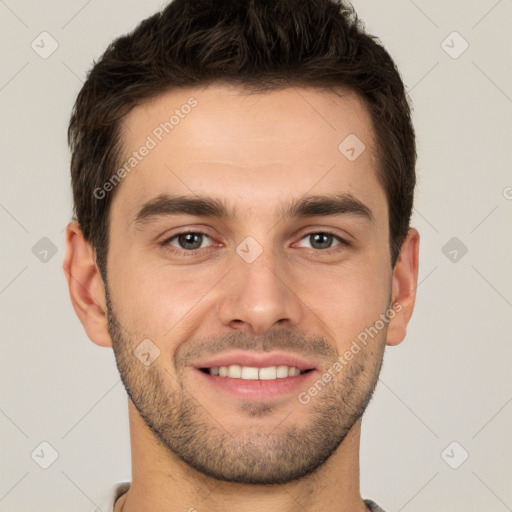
(166, 243)
(183, 252)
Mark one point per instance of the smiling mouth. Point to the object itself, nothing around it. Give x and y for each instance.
(236, 371)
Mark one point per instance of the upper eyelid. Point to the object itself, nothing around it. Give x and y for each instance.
(186, 232)
(341, 239)
(166, 237)
(172, 237)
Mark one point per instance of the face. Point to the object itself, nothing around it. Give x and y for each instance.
(243, 238)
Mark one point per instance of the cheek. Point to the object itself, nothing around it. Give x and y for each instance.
(154, 299)
(348, 300)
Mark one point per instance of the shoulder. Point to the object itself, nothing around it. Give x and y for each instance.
(111, 496)
(372, 506)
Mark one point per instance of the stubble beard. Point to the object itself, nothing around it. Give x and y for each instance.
(281, 453)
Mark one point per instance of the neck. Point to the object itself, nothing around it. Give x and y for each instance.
(161, 481)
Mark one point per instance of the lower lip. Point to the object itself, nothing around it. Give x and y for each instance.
(258, 389)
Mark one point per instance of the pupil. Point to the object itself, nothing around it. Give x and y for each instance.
(190, 240)
(321, 240)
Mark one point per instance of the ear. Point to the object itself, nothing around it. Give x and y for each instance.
(85, 285)
(404, 284)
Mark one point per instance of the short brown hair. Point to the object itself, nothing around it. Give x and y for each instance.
(258, 45)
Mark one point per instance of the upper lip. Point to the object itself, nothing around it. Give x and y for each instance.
(258, 360)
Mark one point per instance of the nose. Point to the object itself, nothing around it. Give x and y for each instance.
(258, 296)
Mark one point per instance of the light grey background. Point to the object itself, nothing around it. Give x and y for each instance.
(449, 380)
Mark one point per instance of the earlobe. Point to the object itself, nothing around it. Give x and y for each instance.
(85, 286)
(404, 284)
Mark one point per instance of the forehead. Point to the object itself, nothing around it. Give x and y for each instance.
(252, 149)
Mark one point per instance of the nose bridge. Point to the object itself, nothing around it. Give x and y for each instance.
(258, 295)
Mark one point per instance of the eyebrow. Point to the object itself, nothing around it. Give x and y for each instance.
(165, 204)
(311, 206)
(337, 204)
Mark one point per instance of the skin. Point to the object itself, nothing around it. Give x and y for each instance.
(256, 153)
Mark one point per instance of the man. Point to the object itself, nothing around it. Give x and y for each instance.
(243, 176)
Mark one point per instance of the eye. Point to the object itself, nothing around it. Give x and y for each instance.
(189, 241)
(321, 240)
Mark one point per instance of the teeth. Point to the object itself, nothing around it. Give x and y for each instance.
(293, 372)
(235, 371)
(282, 371)
(268, 373)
